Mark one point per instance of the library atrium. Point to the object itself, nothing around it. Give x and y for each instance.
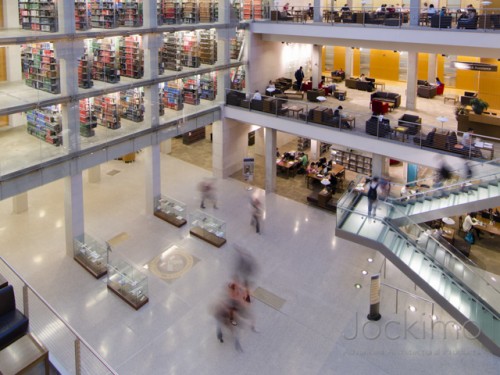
(185, 187)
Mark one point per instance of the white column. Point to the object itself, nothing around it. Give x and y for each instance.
(94, 174)
(152, 176)
(66, 16)
(349, 61)
(432, 67)
(314, 154)
(218, 148)
(270, 160)
(414, 12)
(73, 210)
(149, 13)
(68, 54)
(411, 83)
(223, 57)
(318, 11)
(151, 44)
(377, 165)
(20, 203)
(316, 65)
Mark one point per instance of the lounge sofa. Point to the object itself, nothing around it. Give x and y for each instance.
(280, 16)
(427, 91)
(283, 84)
(355, 83)
(312, 95)
(412, 122)
(389, 97)
(441, 22)
(235, 98)
(378, 128)
(13, 324)
(467, 23)
(466, 98)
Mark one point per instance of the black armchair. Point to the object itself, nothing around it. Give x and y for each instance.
(441, 22)
(378, 128)
(412, 122)
(13, 324)
(467, 23)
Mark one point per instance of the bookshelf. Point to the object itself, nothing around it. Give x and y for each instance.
(38, 15)
(172, 95)
(130, 13)
(131, 56)
(208, 47)
(208, 86)
(82, 11)
(104, 14)
(88, 121)
(237, 78)
(161, 109)
(39, 67)
(105, 66)
(106, 111)
(171, 12)
(237, 10)
(45, 124)
(303, 143)
(191, 90)
(209, 11)
(132, 104)
(171, 51)
(189, 12)
(85, 72)
(190, 52)
(247, 9)
(354, 162)
(236, 44)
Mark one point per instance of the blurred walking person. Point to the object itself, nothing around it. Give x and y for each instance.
(208, 193)
(256, 213)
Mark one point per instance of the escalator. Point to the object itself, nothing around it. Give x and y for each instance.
(451, 280)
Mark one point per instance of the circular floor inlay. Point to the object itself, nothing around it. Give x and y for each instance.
(171, 266)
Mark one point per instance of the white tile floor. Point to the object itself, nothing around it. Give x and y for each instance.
(300, 260)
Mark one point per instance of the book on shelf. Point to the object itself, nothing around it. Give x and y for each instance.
(208, 47)
(105, 65)
(88, 120)
(39, 67)
(191, 91)
(82, 14)
(171, 51)
(38, 15)
(104, 14)
(190, 51)
(132, 104)
(171, 12)
(85, 72)
(189, 12)
(106, 111)
(45, 123)
(131, 56)
(208, 86)
(130, 13)
(172, 95)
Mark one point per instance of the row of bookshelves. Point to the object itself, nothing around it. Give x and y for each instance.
(42, 15)
(353, 162)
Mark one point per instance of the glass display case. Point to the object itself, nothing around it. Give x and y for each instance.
(170, 210)
(128, 283)
(91, 254)
(207, 228)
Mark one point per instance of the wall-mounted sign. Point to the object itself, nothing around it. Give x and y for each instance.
(482, 67)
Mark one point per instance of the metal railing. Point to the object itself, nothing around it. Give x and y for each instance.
(69, 353)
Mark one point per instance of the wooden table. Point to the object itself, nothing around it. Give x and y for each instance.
(311, 177)
(351, 120)
(449, 234)
(485, 226)
(450, 97)
(381, 85)
(286, 166)
(22, 355)
(484, 146)
(297, 94)
(294, 110)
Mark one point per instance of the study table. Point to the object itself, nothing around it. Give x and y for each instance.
(287, 166)
(485, 226)
(311, 177)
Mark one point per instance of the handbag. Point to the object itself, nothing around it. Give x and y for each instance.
(469, 237)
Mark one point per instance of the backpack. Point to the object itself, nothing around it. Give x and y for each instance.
(372, 193)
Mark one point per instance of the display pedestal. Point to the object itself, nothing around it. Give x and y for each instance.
(91, 255)
(128, 283)
(207, 228)
(170, 218)
(207, 236)
(170, 210)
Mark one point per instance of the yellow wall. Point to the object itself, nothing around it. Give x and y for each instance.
(338, 58)
(467, 79)
(440, 67)
(4, 120)
(384, 64)
(489, 82)
(423, 66)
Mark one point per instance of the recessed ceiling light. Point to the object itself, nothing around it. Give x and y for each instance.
(370, 260)
(434, 317)
(456, 326)
(364, 272)
(412, 308)
(357, 286)
(492, 278)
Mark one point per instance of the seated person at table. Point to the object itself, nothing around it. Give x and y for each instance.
(312, 168)
(321, 162)
(438, 82)
(333, 184)
(345, 8)
(271, 85)
(303, 163)
(256, 95)
(431, 11)
(443, 12)
(329, 88)
(468, 143)
(362, 78)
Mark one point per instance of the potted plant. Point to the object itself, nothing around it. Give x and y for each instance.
(478, 105)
